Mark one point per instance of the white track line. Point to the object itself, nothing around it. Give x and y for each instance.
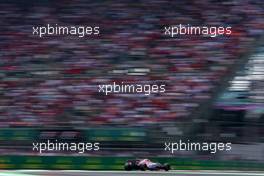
(14, 174)
(234, 173)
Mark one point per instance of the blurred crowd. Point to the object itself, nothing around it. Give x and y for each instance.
(54, 80)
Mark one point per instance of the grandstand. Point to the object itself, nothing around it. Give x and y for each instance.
(46, 80)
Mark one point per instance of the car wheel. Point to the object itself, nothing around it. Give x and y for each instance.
(167, 167)
(127, 167)
(143, 167)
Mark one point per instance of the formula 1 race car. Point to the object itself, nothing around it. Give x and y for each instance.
(145, 164)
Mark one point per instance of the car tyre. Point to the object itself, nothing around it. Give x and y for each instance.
(167, 167)
(143, 167)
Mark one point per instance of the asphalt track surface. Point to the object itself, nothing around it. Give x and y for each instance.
(123, 173)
